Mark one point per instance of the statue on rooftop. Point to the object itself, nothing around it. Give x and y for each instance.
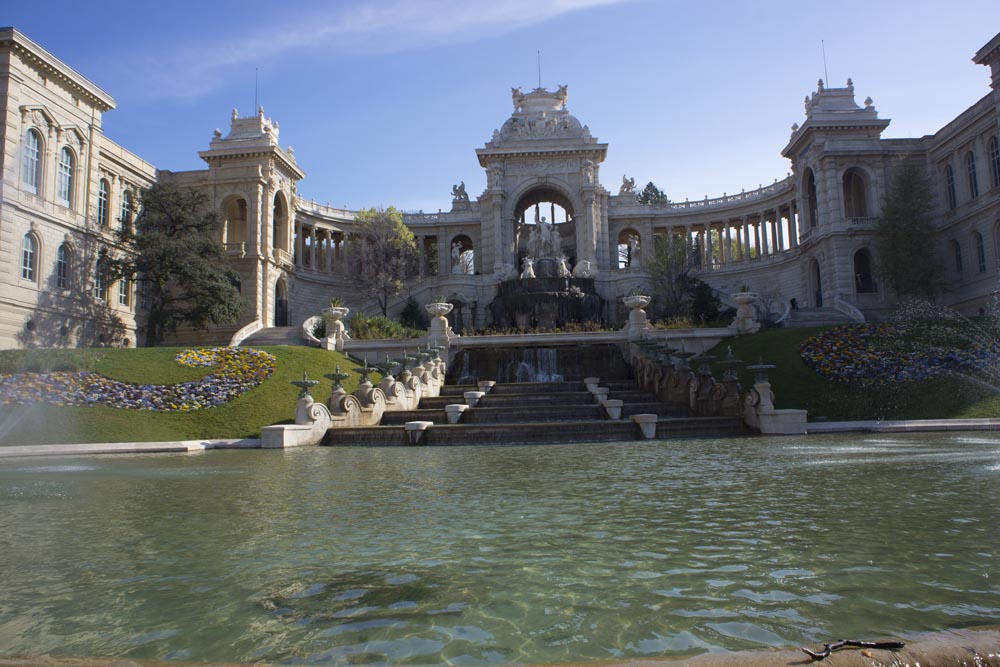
(458, 192)
(628, 186)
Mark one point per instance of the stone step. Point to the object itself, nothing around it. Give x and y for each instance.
(526, 433)
(275, 336)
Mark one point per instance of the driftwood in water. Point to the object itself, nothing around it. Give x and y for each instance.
(843, 643)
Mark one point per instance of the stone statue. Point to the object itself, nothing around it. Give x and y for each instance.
(528, 268)
(458, 192)
(588, 171)
(518, 98)
(456, 257)
(583, 269)
(633, 251)
(561, 95)
(628, 186)
(505, 272)
(562, 267)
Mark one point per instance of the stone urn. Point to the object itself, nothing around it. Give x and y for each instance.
(746, 316)
(336, 332)
(439, 331)
(637, 323)
(438, 308)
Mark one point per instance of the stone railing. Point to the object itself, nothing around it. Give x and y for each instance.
(236, 249)
(862, 222)
(283, 257)
(245, 332)
(778, 187)
(848, 309)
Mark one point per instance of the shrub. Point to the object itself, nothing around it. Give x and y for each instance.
(413, 316)
(377, 327)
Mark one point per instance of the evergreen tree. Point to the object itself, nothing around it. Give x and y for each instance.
(905, 234)
(670, 274)
(172, 247)
(653, 195)
(387, 248)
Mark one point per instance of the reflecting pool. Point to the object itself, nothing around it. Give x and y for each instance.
(505, 554)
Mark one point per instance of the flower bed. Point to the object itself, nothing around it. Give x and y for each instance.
(239, 370)
(888, 352)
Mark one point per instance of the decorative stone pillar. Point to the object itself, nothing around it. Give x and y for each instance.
(745, 246)
(708, 245)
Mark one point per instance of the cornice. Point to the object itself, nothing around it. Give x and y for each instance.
(34, 54)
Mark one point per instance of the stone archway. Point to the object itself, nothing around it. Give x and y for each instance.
(544, 229)
(280, 303)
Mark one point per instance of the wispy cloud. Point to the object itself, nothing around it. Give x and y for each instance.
(394, 25)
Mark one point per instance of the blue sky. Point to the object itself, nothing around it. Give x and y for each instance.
(385, 102)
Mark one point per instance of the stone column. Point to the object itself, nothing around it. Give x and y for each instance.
(708, 245)
(727, 244)
(793, 237)
(313, 237)
(745, 245)
(756, 233)
(421, 257)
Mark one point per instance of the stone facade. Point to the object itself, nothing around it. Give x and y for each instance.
(809, 237)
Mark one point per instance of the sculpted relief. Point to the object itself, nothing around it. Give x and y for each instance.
(542, 167)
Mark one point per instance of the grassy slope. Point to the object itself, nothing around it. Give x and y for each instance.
(271, 402)
(797, 386)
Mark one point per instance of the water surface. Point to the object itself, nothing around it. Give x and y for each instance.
(506, 554)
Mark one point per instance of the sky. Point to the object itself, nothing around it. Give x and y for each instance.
(386, 101)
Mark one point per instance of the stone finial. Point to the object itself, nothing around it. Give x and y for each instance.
(236, 114)
(850, 85)
(819, 85)
(217, 133)
(260, 111)
(795, 127)
(869, 102)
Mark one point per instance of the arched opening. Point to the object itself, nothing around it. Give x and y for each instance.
(817, 284)
(864, 281)
(545, 230)
(280, 303)
(949, 184)
(812, 206)
(64, 266)
(29, 257)
(855, 197)
(103, 203)
(31, 162)
(956, 251)
(977, 239)
(629, 247)
(64, 182)
(234, 226)
(463, 255)
(970, 166)
(279, 226)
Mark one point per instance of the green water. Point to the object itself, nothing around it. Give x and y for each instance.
(509, 554)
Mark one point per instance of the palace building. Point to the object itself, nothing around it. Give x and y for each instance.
(545, 212)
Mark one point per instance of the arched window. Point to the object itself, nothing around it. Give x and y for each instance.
(855, 200)
(957, 252)
(64, 265)
(64, 182)
(29, 257)
(949, 182)
(103, 210)
(995, 162)
(812, 201)
(101, 280)
(628, 248)
(31, 162)
(864, 282)
(126, 208)
(980, 251)
(970, 164)
(463, 255)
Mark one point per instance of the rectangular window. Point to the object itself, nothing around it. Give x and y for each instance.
(124, 291)
(144, 294)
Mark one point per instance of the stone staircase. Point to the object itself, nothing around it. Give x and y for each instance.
(536, 413)
(816, 317)
(275, 336)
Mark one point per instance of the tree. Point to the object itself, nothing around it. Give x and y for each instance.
(653, 195)
(386, 248)
(172, 249)
(669, 270)
(905, 233)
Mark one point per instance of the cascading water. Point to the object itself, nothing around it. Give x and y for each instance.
(538, 364)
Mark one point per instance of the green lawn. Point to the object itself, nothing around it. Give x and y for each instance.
(271, 402)
(795, 385)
